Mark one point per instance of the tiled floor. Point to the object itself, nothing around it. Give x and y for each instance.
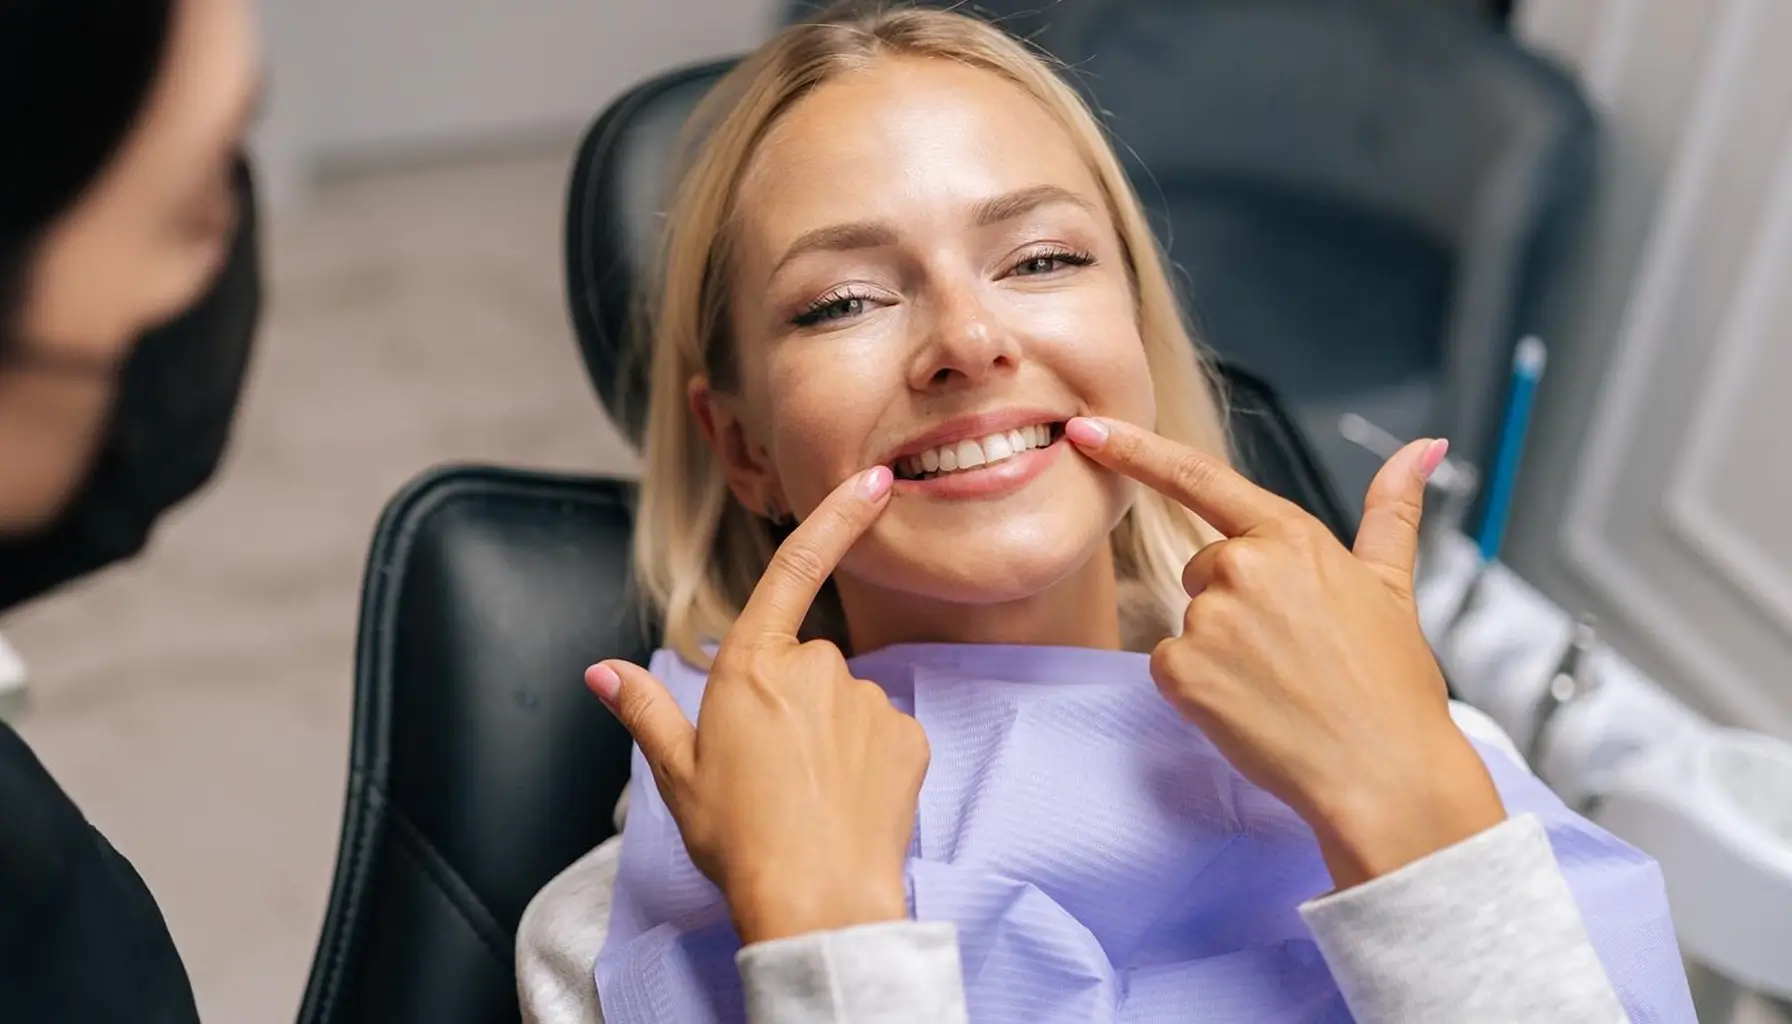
(197, 703)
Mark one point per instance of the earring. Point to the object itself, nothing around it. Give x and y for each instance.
(777, 514)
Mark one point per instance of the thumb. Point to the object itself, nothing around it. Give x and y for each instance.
(1388, 539)
(666, 737)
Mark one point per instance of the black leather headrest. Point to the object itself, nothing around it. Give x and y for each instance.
(621, 184)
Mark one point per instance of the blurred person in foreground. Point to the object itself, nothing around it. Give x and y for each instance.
(128, 299)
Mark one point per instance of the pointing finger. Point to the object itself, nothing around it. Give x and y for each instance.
(1203, 484)
(666, 737)
(1388, 539)
(803, 563)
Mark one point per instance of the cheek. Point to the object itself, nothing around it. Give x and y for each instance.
(1091, 342)
(823, 408)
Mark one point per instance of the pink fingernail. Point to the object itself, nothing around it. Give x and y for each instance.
(603, 681)
(1087, 432)
(1433, 457)
(876, 482)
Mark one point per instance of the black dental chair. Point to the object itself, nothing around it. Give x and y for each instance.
(479, 764)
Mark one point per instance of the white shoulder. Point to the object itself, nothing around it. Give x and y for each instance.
(559, 938)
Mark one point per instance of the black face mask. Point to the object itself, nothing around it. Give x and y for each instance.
(177, 397)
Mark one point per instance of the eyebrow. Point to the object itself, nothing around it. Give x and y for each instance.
(1021, 202)
(874, 234)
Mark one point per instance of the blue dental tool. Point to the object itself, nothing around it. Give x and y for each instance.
(1527, 369)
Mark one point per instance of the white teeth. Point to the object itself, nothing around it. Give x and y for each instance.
(970, 454)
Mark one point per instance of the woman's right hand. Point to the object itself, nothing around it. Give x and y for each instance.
(796, 790)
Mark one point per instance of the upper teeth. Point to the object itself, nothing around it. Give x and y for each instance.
(961, 455)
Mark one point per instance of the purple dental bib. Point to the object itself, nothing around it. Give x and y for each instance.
(1100, 859)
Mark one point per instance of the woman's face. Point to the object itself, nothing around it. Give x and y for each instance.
(139, 246)
(927, 277)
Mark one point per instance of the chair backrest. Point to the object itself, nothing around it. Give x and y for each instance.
(479, 764)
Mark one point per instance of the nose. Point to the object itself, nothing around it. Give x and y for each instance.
(965, 344)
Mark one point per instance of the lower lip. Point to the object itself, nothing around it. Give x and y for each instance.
(995, 481)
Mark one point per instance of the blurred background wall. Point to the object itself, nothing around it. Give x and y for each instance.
(1656, 489)
(356, 81)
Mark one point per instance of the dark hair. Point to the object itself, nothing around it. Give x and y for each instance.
(74, 75)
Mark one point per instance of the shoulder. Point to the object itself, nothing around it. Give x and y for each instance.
(562, 931)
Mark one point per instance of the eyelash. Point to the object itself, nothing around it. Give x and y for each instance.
(816, 311)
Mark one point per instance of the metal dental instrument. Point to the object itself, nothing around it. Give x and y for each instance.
(1572, 680)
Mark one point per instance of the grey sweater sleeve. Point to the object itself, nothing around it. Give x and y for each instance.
(1482, 931)
(899, 972)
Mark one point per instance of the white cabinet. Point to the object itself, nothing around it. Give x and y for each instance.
(1658, 494)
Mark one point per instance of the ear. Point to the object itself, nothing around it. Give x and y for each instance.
(745, 463)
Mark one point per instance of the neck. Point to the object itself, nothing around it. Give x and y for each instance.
(1080, 610)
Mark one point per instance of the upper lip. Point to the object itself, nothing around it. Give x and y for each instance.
(974, 427)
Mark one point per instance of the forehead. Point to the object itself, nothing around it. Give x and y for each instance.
(898, 138)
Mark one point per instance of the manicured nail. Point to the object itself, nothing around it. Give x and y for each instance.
(1087, 432)
(1433, 457)
(603, 681)
(876, 482)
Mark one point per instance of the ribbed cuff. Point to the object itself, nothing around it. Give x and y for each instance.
(1483, 931)
(894, 972)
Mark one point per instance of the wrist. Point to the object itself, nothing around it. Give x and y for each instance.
(1378, 825)
(781, 906)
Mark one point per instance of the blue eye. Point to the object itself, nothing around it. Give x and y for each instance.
(829, 308)
(1050, 261)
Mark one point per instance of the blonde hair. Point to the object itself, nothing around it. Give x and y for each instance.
(698, 552)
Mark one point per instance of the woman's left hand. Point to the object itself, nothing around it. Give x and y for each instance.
(1305, 663)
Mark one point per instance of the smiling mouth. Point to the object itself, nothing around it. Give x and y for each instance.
(977, 453)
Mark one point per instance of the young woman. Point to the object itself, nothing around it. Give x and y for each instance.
(931, 465)
(128, 298)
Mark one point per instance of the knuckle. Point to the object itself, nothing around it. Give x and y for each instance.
(1193, 473)
(1234, 562)
(819, 658)
(871, 695)
(919, 749)
(635, 707)
(1192, 617)
(1407, 511)
(1167, 662)
(801, 560)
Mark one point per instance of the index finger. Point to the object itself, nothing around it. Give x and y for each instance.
(1203, 484)
(803, 563)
